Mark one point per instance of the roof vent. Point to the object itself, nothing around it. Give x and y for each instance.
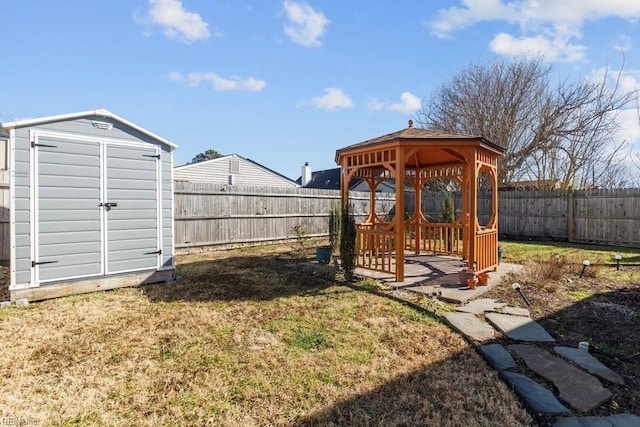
(234, 165)
(102, 125)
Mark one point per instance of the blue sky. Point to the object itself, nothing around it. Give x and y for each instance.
(286, 82)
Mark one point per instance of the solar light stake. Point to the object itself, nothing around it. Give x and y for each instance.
(517, 287)
(585, 264)
(618, 258)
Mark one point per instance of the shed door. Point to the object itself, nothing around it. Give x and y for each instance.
(132, 225)
(96, 208)
(68, 242)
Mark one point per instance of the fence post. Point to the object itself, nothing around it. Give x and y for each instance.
(570, 221)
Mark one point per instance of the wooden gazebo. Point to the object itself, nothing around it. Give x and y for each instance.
(418, 156)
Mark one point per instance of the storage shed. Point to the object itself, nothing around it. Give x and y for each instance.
(91, 204)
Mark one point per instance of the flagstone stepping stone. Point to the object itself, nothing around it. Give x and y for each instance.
(514, 311)
(470, 326)
(588, 363)
(616, 420)
(579, 389)
(537, 398)
(498, 356)
(479, 306)
(519, 328)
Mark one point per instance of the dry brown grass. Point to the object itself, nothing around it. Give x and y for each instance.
(244, 340)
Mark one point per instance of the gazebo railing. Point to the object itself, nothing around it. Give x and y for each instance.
(375, 248)
(443, 239)
(486, 253)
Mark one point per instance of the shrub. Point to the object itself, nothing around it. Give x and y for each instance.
(334, 227)
(348, 244)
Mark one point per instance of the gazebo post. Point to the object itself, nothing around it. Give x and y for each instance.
(344, 187)
(399, 220)
(372, 199)
(466, 212)
(473, 208)
(417, 215)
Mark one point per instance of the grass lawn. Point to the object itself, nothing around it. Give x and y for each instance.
(247, 338)
(519, 252)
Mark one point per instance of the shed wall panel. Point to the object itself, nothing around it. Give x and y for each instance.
(21, 268)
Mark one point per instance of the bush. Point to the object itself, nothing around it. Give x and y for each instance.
(348, 244)
(334, 227)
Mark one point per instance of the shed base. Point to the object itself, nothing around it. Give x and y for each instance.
(83, 286)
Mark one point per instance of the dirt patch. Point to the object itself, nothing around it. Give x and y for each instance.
(602, 309)
(4, 284)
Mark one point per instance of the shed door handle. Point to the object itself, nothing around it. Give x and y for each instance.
(108, 205)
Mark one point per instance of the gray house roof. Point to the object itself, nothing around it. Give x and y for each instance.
(329, 179)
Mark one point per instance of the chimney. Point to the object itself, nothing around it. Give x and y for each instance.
(305, 176)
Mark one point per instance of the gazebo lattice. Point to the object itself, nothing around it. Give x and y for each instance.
(417, 156)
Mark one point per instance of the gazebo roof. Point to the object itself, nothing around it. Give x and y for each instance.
(411, 135)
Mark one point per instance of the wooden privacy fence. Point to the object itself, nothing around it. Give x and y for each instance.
(214, 214)
(209, 214)
(608, 217)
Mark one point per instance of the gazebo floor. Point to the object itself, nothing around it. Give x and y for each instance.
(429, 274)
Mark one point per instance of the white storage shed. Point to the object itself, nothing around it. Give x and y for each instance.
(91, 204)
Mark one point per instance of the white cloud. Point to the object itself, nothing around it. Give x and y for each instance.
(332, 99)
(626, 80)
(550, 50)
(305, 26)
(409, 104)
(176, 22)
(474, 11)
(375, 104)
(219, 83)
(629, 126)
(623, 44)
(549, 27)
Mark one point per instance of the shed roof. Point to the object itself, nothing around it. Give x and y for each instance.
(71, 116)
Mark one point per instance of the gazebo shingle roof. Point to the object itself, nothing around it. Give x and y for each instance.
(416, 134)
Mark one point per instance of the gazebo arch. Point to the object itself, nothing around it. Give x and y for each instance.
(412, 157)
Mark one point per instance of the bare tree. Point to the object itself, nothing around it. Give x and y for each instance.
(556, 135)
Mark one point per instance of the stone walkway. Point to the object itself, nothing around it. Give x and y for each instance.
(576, 376)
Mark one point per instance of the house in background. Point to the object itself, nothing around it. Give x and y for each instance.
(232, 170)
(329, 179)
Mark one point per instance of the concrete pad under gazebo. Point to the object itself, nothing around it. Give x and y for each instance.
(418, 156)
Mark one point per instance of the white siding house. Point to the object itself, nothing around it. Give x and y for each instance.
(232, 170)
